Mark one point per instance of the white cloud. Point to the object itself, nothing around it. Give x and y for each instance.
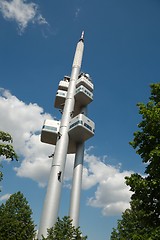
(5, 197)
(111, 195)
(21, 12)
(24, 122)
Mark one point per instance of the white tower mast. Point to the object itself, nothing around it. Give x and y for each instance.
(52, 199)
(73, 95)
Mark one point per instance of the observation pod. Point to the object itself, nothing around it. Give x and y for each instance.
(49, 131)
(64, 84)
(81, 128)
(84, 79)
(60, 99)
(83, 94)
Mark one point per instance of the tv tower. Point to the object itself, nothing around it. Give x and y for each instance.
(68, 135)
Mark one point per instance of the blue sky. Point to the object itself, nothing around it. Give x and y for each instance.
(122, 55)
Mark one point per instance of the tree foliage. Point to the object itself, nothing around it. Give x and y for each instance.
(15, 219)
(142, 221)
(6, 148)
(63, 229)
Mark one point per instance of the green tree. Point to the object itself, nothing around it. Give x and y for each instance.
(63, 230)
(142, 221)
(15, 219)
(6, 148)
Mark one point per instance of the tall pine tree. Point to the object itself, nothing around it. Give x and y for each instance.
(15, 219)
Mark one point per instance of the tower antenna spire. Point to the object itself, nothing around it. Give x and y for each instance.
(82, 36)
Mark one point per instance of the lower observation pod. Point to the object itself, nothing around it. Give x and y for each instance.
(81, 128)
(49, 132)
